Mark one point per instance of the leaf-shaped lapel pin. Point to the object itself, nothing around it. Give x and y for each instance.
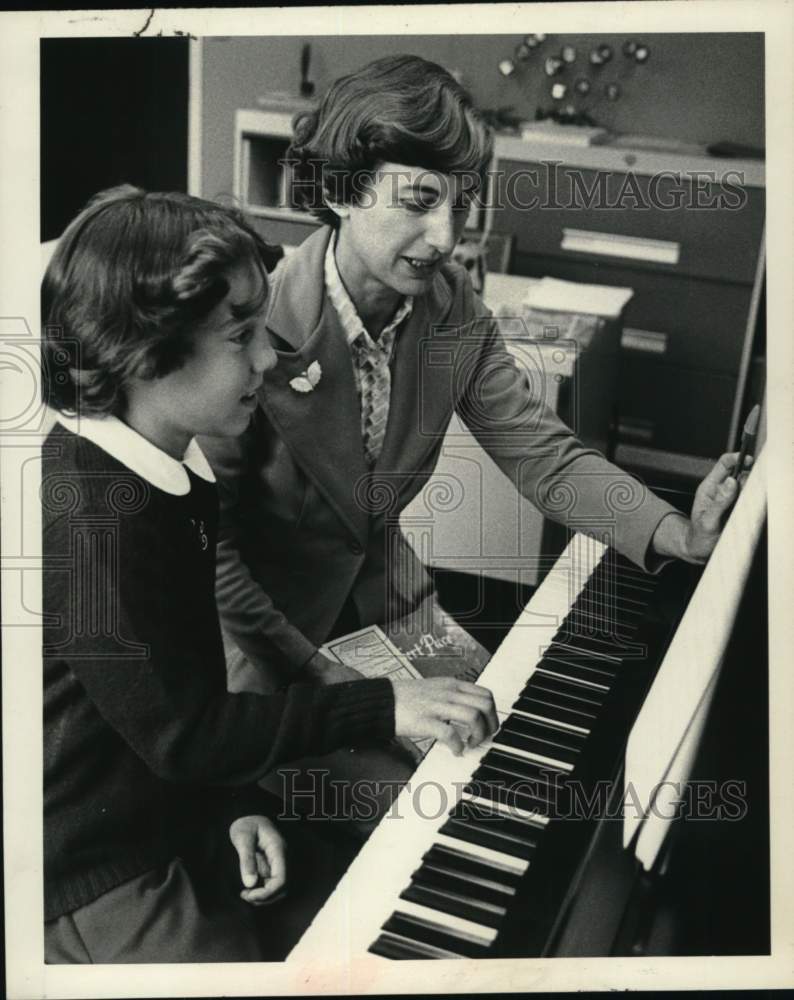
(306, 381)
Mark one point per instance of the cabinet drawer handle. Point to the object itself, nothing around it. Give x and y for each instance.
(612, 245)
(649, 341)
(636, 429)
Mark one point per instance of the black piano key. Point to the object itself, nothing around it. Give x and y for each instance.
(621, 563)
(514, 768)
(442, 858)
(510, 738)
(457, 906)
(601, 588)
(585, 651)
(535, 796)
(484, 836)
(611, 607)
(545, 732)
(607, 574)
(649, 583)
(598, 614)
(523, 830)
(611, 585)
(481, 893)
(605, 578)
(621, 648)
(604, 605)
(397, 948)
(567, 668)
(603, 624)
(550, 708)
(633, 576)
(571, 694)
(621, 568)
(424, 932)
(442, 855)
(629, 592)
(491, 786)
(617, 564)
(594, 652)
(600, 622)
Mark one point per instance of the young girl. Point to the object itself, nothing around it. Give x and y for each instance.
(154, 332)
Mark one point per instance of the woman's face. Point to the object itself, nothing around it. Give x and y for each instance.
(405, 225)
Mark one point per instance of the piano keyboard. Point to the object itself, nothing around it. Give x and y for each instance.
(460, 849)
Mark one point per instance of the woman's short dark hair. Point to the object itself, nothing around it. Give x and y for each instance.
(129, 280)
(401, 109)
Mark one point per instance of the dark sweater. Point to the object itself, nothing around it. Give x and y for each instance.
(142, 741)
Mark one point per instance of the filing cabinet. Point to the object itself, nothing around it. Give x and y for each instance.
(686, 233)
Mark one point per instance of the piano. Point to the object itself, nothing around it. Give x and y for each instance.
(492, 854)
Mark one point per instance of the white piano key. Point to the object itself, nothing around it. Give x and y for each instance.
(570, 645)
(535, 819)
(506, 862)
(536, 758)
(476, 880)
(466, 930)
(550, 719)
(547, 668)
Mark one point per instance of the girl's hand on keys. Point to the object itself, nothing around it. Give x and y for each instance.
(440, 708)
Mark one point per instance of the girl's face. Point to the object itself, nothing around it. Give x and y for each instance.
(214, 392)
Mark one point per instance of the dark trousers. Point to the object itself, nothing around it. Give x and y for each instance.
(190, 909)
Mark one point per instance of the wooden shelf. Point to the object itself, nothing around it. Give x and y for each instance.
(261, 182)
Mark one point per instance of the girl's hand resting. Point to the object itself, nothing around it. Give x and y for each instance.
(261, 850)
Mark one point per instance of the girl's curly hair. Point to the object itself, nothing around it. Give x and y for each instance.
(129, 280)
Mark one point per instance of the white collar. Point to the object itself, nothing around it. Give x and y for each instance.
(139, 455)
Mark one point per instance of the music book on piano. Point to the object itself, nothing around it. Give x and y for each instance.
(433, 642)
(370, 652)
(426, 643)
(667, 731)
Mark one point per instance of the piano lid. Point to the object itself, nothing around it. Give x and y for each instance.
(666, 733)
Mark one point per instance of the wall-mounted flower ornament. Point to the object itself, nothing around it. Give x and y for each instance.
(590, 87)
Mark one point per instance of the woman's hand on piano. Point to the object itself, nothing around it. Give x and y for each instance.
(694, 538)
(455, 712)
(713, 500)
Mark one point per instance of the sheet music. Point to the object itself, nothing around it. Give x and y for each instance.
(664, 737)
(578, 297)
(654, 829)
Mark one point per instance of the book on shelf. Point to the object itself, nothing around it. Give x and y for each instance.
(568, 135)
